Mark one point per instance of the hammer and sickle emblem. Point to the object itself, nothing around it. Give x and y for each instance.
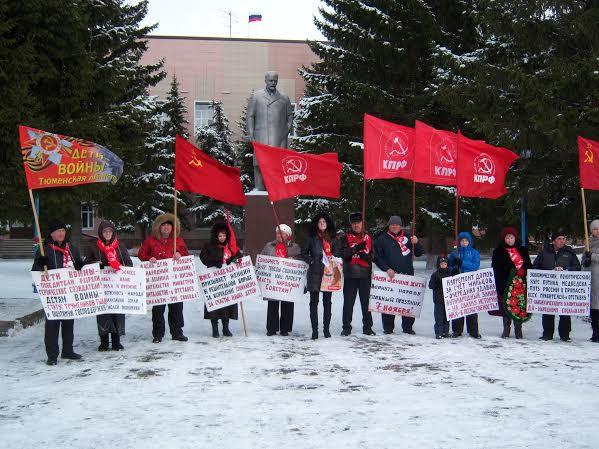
(588, 155)
(195, 161)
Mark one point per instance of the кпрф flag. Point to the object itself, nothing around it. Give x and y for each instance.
(436, 153)
(388, 149)
(197, 172)
(287, 173)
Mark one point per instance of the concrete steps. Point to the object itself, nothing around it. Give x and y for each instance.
(16, 248)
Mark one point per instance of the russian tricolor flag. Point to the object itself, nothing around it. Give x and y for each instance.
(255, 18)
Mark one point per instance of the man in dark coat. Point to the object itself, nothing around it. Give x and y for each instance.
(108, 247)
(558, 256)
(393, 254)
(356, 250)
(59, 253)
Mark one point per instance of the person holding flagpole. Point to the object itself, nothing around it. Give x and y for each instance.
(59, 253)
(591, 260)
(356, 250)
(317, 250)
(393, 254)
(282, 246)
(160, 245)
(221, 250)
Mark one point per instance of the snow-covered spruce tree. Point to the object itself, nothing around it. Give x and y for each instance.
(122, 115)
(532, 87)
(380, 59)
(215, 140)
(244, 154)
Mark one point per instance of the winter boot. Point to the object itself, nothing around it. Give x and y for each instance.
(518, 330)
(507, 322)
(215, 333)
(116, 342)
(226, 331)
(326, 332)
(103, 343)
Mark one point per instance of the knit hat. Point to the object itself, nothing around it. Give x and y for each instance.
(440, 260)
(394, 220)
(355, 217)
(55, 225)
(284, 229)
(594, 224)
(558, 233)
(509, 230)
(106, 224)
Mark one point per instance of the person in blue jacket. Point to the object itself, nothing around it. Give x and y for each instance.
(467, 259)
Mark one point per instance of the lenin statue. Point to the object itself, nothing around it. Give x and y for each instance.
(269, 119)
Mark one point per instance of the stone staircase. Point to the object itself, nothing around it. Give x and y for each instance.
(16, 249)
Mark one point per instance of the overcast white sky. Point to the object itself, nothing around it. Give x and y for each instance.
(281, 19)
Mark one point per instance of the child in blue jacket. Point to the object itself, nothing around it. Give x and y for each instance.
(467, 259)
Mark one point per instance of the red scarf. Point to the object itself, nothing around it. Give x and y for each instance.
(226, 252)
(353, 240)
(66, 255)
(401, 240)
(515, 257)
(281, 250)
(110, 253)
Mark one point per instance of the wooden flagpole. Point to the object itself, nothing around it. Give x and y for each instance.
(457, 205)
(413, 215)
(37, 227)
(364, 206)
(245, 327)
(584, 220)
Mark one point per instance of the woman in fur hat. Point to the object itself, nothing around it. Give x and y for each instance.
(110, 253)
(160, 245)
(221, 250)
(282, 246)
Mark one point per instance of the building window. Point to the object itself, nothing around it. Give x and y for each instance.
(203, 114)
(87, 216)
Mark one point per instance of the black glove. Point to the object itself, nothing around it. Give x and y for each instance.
(359, 247)
(586, 259)
(458, 263)
(102, 266)
(43, 260)
(230, 260)
(220, 265)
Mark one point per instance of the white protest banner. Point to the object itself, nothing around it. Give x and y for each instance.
(169, 281)
(67, 293)
(469, 293)
(403, 295)
(559, 292)
(281, 279)
(124, 289)
(230, 284)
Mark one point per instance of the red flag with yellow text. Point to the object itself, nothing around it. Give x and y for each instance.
(54, 160)
(197, 172)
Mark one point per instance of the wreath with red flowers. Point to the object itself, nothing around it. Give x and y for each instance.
(514, 298)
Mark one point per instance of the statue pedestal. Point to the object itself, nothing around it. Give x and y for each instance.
(260, 221)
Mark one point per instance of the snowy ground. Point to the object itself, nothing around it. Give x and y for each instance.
(386, 391)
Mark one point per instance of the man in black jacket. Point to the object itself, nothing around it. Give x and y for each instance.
(356, 250)
(59, 253)
(393, 254)
(557, 256)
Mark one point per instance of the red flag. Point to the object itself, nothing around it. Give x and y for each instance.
(197, 172)
(388, 149)
(482, 168)
(232, 238)
(436, 155)
(53, 160)
(588, 163)
(287, 173)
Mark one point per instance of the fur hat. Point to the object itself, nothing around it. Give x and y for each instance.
(162, 219)
(284, 229)
(55, 225)
(594, 224)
